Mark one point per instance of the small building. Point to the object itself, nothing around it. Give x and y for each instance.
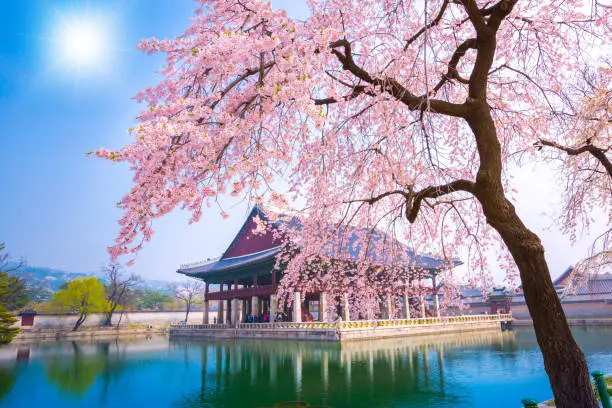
(27, 317)
(247, 280)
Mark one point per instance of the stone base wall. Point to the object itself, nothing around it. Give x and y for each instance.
(91, 332)
(342, 335)
(369, 333)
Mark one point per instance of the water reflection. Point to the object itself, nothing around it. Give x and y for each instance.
(8, 374)
(382, 372)
(459, 370)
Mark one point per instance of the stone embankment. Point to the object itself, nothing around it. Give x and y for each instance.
(342, 331)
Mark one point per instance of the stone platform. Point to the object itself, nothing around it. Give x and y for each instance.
(342, 331)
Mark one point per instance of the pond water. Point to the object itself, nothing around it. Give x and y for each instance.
(461, 370)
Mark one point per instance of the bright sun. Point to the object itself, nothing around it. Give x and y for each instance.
(82, 44)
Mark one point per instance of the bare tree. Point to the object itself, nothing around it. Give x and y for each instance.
(189, 293)
(117, 289)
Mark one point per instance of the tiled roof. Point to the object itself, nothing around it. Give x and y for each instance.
(232, 263)
(347, 242)
(597, 285)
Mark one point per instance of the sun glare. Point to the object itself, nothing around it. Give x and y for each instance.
(81, 43)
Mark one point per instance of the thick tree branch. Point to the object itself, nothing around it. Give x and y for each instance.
(595, 151)
(452, 72)
(485, 42)
(393, 87)
(413, 203)
(475, 15)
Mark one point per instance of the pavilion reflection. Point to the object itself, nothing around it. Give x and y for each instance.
(290, 371)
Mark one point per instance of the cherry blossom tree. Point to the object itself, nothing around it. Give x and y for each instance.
(393, 116)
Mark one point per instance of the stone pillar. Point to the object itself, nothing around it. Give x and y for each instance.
(422, 302)
(220, 313)
(323, 312)
(384, 311)
(297, 307)
(389, 305)
(255, 306)
(272, 307)
(436, 304)
(346, 315)
(235, 311)
(205, 318)
(205, 315)
(406, 306)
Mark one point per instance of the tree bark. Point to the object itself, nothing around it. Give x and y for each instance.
(563, 360)
(187, 312)
(79, 321)
(108, 316)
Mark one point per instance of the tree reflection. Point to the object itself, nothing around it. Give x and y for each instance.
(388, 372)
(76, 373)
(8, 374)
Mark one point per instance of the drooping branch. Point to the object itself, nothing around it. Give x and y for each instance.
(598, 153)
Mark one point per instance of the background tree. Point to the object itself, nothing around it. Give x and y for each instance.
(388, 115)
(117, 289)
(149, 299)
(17, 293)
(7, 320)
(189, 293)
(82, 296)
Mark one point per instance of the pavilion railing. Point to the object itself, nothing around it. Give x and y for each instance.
(360, 324)
(179, 325)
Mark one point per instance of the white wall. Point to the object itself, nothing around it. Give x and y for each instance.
(64, 321)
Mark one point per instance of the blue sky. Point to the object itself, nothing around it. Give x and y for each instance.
(58, 206)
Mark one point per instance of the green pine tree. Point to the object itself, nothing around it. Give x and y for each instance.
(7, 320)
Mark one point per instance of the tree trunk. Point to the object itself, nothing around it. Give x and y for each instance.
(187, 312)
(563, 360)
(79, 321)
(108, 316)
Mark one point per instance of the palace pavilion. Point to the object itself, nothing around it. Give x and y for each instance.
(246, 281)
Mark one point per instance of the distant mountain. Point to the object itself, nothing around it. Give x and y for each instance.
(49, 279)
